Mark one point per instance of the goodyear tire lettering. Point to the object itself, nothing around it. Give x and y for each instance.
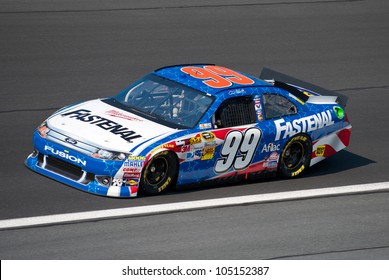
(159, 173)
(295, 157)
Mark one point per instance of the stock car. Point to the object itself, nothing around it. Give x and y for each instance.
(191, 124)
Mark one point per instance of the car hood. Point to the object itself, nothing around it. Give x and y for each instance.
(105, 126)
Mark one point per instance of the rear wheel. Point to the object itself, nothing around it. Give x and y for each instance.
(296, 156)
(159, 173)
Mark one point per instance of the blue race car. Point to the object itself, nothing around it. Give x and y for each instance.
(191, 124)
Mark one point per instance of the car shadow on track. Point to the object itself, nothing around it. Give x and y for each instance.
(342, 161)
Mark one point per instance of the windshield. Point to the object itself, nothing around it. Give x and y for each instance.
(171, 103)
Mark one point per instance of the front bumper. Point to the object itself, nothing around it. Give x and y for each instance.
(80, 171)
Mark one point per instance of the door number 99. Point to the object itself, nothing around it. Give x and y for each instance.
(238, 149)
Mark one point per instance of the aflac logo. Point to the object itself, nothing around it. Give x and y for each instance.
(271, 147)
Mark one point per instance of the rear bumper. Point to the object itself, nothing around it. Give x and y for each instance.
(330, 144)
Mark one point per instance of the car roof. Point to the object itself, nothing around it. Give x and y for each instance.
(203, 77)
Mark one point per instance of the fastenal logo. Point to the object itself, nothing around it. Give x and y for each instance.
(306, 124)
(106, 124)
(65, 154)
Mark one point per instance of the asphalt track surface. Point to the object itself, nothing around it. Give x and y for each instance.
(54, 53)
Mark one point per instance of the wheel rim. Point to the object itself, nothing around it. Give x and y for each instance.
(294, 155)
(156, 171)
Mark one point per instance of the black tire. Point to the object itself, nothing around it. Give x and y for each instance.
(159, 173)
(296, 156)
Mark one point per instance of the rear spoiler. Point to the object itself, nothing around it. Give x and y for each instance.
(297, 87)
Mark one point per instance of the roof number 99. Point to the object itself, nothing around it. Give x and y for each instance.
(217, 76)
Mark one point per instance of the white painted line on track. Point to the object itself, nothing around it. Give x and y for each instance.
(190, 205)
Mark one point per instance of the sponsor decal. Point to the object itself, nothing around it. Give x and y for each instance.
(106, 124)
(320, 151)
(131, 175)
(208, 153)
(65, 154)
(195, 154)
(132, 182)
(129, 169)
(339, 112)
(195, 140)
(260, 116)
(133, 163)
(271, 147)
(306, 124)
(208, 136)
(271, 161)
(258, 108)
(136, 158)
(182, 142)
(167, 146)
(273, 156)
(205, 125)
(270, 164)
(117, 182)
(114, 113)
(210, 144)
(185, 149)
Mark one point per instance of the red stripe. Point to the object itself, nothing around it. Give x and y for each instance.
(134, 189)
(344, 136)
(329, 151)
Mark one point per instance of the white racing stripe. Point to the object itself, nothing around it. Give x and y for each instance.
(190, 205)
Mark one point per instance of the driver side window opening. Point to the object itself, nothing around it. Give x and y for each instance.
(166, 101)
(277, 106)
(235, 111)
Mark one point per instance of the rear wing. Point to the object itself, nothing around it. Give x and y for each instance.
(297, 87)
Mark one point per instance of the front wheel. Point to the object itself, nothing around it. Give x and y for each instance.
(296, 156)
(159, 173)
